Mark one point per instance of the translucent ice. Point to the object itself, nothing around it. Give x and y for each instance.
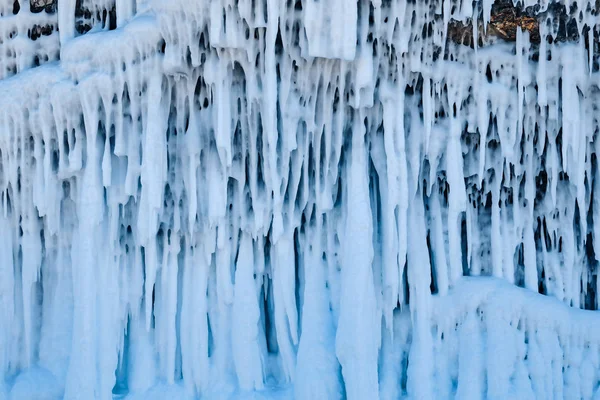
(308, 199)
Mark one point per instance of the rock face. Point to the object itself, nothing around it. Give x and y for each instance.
(506, 19)
(41, 5)
(319, 200)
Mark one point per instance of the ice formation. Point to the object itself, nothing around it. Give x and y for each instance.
(296, 199)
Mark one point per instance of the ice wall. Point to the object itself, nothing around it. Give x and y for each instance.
(211, 198)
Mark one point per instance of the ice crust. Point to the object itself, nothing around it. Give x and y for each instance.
(296, 199)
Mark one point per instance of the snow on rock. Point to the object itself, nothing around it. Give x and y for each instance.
(276, 199)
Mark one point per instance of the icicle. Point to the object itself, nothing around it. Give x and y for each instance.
(83, 365)
(439, 255)
(317, 372)
(245, 315)
(66, 20)
(391, 268)
(7, 285)
(420, 361)
(194, 321)
(153, 177)
(358, 333)
(125, 10)
(456, 199)
(284, 288)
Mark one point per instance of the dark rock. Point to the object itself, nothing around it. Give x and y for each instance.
(37, 31)
(506, 18)
(37, 6)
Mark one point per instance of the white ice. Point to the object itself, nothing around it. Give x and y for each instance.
(296, 199)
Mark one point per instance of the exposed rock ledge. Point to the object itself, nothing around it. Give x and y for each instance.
(561, 24)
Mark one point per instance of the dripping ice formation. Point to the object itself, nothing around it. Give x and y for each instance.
(296, 199)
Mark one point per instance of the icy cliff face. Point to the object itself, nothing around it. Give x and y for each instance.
(209, 198)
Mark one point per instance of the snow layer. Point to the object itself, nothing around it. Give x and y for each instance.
(282, 199)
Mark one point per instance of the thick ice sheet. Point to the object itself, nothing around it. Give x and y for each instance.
(272, 199)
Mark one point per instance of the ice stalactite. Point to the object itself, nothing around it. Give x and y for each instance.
(362, 199)
(358, 333)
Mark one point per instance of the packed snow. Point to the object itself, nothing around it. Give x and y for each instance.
(309, 199)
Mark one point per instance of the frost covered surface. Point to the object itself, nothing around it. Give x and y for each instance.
(221, 197)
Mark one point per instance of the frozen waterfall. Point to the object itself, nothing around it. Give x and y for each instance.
(309, 199)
